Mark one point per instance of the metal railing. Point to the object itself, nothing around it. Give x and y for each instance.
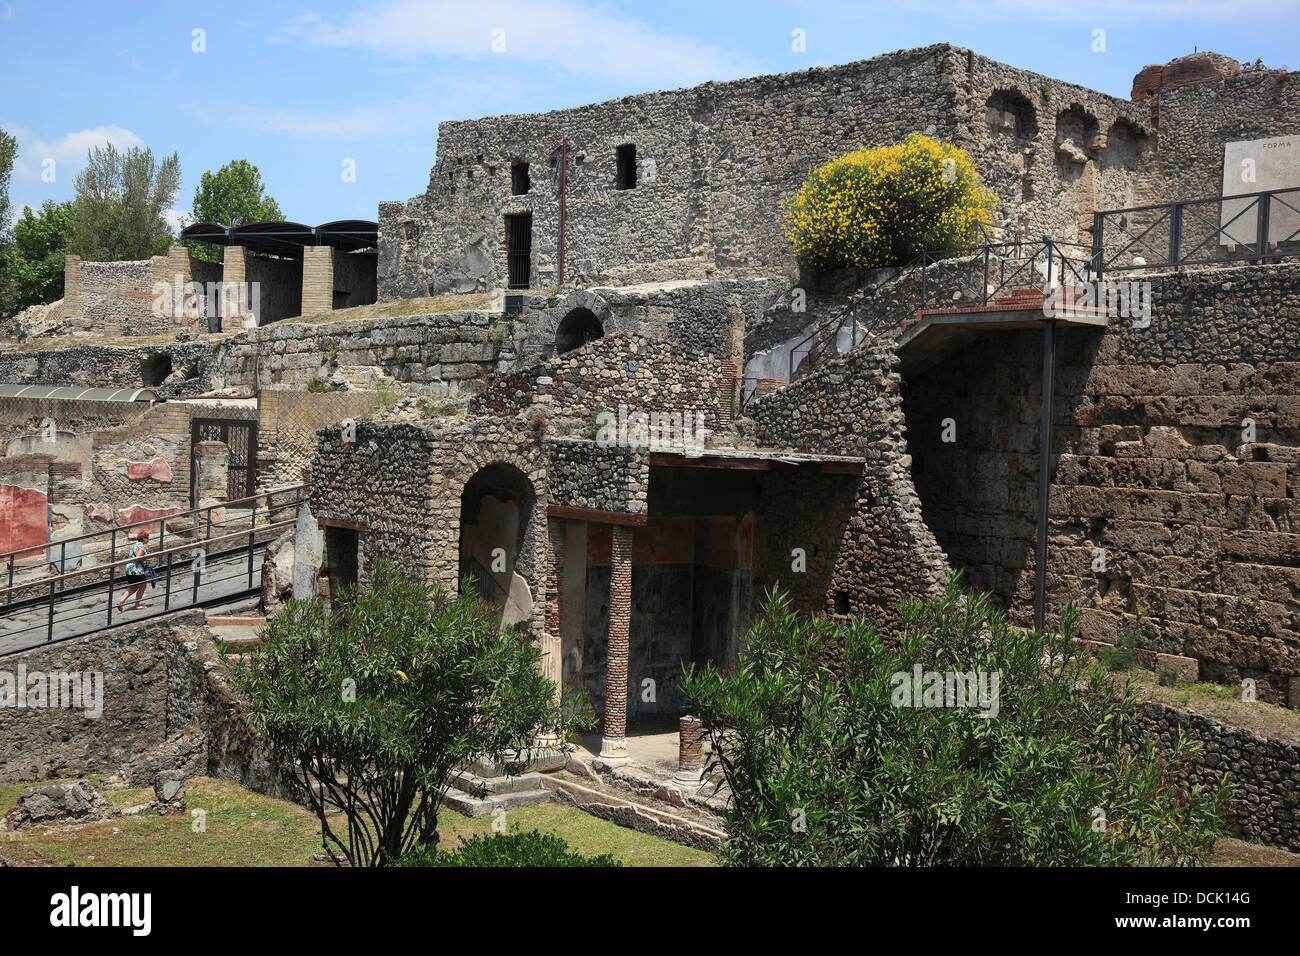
(211, 561)
(981, 274)
(1249, 227)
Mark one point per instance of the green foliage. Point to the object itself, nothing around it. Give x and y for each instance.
(31, 267)
(232, 196)
(885, 205)
(120, 204)
(318, 385)
(8, 152)
(533, 848)
(825, 769)
(378, 700)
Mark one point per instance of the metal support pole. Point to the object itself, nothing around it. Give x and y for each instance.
(1044, 476)
(1261, 227)
(1175, 233)
(252, 534)
(1098, 225)
(112, 555)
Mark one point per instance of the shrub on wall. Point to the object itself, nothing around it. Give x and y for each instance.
(882, 206)
(843, 746)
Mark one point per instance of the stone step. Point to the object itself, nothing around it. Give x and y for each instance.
(473, 784)
(470, 806)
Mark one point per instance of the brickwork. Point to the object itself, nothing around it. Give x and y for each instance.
(317, 279)
(614, 726)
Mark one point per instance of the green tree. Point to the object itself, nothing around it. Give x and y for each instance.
(376, 702)
(830, 763)
(232, 196)
(31, 267)
(121, 201)
(8, 152)
(885, 205)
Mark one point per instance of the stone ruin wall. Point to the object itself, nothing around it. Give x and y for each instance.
(716, 161)
(867, 546)
(1150, 466)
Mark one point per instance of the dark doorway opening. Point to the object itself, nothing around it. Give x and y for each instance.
(154, 369)
(240, 437)
(519, 181)
(577, 329)
(519, 249)
(340, 559)
(626, 176)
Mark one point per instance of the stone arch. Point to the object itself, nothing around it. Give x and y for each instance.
(498, 539)
(576, 329)
(1076, 139)
(1010, 115)
(1126, 142)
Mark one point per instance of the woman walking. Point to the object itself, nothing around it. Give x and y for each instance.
(137, 573)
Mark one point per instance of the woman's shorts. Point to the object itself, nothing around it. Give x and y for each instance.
(136, 578)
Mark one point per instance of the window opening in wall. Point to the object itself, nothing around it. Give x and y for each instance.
(519, 182)
(155, 369)
(519, 249)
(626, 176)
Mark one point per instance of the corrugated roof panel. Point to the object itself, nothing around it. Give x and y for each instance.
(78, 393)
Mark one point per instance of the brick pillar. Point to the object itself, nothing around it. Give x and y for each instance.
(613, 742)
(65, 484)
(728, 397)
(317, 279)
(552, 660)
(234, 289)
(690, 751)
(213, 464)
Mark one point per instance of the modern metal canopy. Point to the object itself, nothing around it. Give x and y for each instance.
(77, 393)
(287, 238)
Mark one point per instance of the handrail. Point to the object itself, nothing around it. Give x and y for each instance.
(236, 503)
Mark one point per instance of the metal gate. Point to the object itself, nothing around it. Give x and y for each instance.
(519, 249)
(240, 436)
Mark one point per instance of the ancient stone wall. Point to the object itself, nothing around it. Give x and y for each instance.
(113, 366)
(1198, 119)
(624, 369)
(405, 495)
(1265, 773)
(152, 693)
(714, 162)
(287, 424)
(583, 474)
(1153, 469)
(878, 549)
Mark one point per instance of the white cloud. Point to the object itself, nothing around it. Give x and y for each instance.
(580, 39)
(68, 151)
(177, 219)
(339, 124)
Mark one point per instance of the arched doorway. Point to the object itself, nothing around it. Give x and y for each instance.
(576, 329)
(497, 534)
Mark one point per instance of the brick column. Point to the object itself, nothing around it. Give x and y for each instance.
(613, 741)
(213, 464)
(234, 289)
(690, 752)
(317, 279)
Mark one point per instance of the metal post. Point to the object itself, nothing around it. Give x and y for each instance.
(984, 287)
(1098, 224)
(112, 554)
(252, 532)
(9, 597)
(1261, 239)
(49, 633)
(1175, 232)
(1044, 477)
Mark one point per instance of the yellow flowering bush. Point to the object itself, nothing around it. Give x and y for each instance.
(882, 206)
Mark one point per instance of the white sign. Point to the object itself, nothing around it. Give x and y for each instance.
(1253, 166)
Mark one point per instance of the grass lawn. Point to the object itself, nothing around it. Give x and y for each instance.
(249, 829)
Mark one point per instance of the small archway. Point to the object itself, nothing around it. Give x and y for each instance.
(576, 329)
(497, 526)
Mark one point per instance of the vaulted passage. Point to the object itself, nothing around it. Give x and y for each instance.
(496, 515)
(577, 329)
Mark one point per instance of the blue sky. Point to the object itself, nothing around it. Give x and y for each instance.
(298, 89)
